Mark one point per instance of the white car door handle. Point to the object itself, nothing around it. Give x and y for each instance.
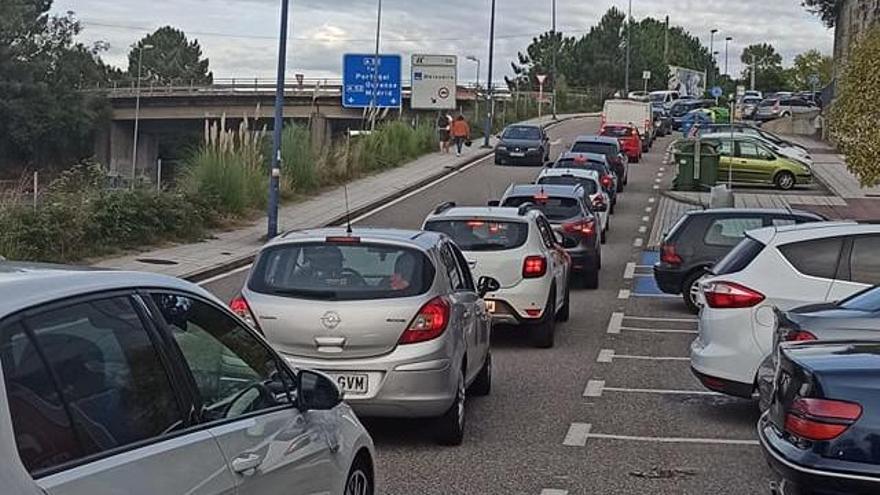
(247, 462)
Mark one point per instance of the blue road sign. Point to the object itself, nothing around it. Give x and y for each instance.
(716, 92)
(359, 77)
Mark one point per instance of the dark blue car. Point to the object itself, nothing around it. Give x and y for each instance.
(822, 431)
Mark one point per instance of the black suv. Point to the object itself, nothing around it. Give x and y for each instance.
(572, 219)
(700, 238)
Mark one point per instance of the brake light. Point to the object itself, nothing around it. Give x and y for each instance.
(429, 323)
(240, 307)
(669, 256)
(821, 419)
(534, 267)
(729, 295)
(607, 181)
(475, 224)
(583, 227)
(799, 336)
(343, 239)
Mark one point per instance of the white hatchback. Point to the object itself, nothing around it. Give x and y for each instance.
(589, 180)
(775, 267)
(518, 248)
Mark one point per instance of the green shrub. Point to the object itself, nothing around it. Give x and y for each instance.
(298, 160)
(234, 181)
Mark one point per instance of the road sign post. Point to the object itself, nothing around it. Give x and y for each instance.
(541, 78)
(434, 82)
(646, 76)
(362, 82)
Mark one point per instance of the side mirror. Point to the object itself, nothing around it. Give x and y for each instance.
(486, 285)
(494, 202)
(316, 391)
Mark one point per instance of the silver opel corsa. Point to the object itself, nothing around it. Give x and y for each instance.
(117, 382)
(393, 316)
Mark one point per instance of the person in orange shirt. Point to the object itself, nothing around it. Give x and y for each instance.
(461, 132)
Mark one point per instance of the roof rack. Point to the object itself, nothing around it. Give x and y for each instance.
(443, 207)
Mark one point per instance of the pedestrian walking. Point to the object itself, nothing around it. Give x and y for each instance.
(443, 123)
(461, 132)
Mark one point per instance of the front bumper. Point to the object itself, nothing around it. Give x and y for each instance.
(799, 479)
(412, 381)
(504, 157)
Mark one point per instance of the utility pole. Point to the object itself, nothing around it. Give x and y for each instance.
(373, 111)
(727, 41)
(754, 69)
(137, 112)
(490, 110)
(555, 50)
(712, 53)
(275, 174)
(666, 43)
(628, 48)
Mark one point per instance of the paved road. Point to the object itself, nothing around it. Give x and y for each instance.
(647, 434)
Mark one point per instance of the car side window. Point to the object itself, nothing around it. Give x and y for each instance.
(783, 221)
(748, 150)
(235, 374)
(730, 231)
(817, 258)
(83, 379)
(865, 260)
(725, 148)
(546, 233)
(464, 269)
(455, 277)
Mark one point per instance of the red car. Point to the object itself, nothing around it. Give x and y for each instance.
(628, 135)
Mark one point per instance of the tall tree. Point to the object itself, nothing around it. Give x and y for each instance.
(809, 65)
(538, 59)
(769, 73)
(599, 53)
(826, 9)
(173, 59)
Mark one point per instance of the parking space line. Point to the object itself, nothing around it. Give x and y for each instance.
(644, 266)
(605, 356)
(652, 199)
(630, 271)
(656, 187)
(658, 296)
(658, 330)
(643, 229)
(646, 219)
(623, 294)
(657, 181)
(655, 391)
(594, 388)
(649, 209)
(658, 318)
(662, 169)
(577, 435)
(553, 491)
(614, 356)
(615, 322)
(639, 242)
(705, 441)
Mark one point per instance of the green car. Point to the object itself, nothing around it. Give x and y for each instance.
(754, 162)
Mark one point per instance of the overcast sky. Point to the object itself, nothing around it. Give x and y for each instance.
(239, 35)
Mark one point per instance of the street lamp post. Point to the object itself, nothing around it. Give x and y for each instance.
(555, 50)
(275, 172)
(628, 49)
(712, 53)
(373, 111)
(727, 53)
(476, 87)
(137, 113)
(487, 127)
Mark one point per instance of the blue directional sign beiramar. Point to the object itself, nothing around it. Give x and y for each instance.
(361, 83)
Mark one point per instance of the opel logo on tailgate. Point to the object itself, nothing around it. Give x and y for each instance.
(331, 320)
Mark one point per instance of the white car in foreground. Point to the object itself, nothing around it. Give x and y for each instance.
(775, 267)
(599, 200)
(516, 247)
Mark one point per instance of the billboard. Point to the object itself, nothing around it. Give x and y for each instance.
(434, 82)
(687, 81)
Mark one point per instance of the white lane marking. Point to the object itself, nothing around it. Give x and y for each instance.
(658, 296)
(657, 181)
(659, 174)
(639, 242)
(658, 330)
(649, 209)
(649, 358)
(656, 187)
(643, 229)
(623, 294)
(626, 390)
(707, 441)
(662, 169)
(630, 271)
(605, 356)
(645, 266)
(225, 274)
(594, 388)
(615, 322)
(655, 318)
(577, 435)
(553, 491)
(646, 219)
(652, 199)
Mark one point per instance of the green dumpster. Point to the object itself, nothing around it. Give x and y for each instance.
(695, 173)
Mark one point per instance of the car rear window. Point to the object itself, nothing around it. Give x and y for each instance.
(482, 235)
(572, 163)
(817, 258)
(867, 300)
(342, 271)
(606, 149)
(554, 208)
(617, 132)
(525, 133)
(739, 257)
(567, 180)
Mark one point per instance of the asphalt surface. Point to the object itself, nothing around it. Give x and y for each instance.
(684, 443)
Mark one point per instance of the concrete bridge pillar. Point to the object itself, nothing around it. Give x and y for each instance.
(115, 151)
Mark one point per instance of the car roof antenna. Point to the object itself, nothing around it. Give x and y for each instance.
(347, 210)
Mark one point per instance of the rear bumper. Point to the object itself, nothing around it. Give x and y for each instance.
(669, 280)
(511, 304)
(800, 479)
(728, 387)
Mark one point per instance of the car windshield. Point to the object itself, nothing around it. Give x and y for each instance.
(522, 132)
(597, 148)
(589, 185)
(867, 301)
(482, 235)
(617, 131)
(341, 271)
(555, 209)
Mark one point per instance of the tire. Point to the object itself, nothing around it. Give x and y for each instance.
(565, 312)
(591, 275)
(785, 180)
(687, 293)
(360, 478)
(611, 207)
(450, 426)
(482, 384)
(620, 185)
(544, 333)
(604, 238)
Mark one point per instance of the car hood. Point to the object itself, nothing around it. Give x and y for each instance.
(522, 143)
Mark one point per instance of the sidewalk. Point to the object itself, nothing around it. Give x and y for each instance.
(830, 168)
(229, 249)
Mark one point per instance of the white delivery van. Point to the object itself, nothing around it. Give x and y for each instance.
(637, 113)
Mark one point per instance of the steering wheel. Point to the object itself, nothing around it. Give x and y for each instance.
(354, 276)
(234, 409)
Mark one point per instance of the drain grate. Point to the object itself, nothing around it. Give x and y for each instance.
(156, 261)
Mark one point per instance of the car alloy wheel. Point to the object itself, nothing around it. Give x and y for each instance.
(785, 180)
(450, 428)
(358, 483)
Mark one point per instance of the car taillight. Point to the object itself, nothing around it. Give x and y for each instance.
(821, 419)
(728, 295)
(240, 307)
(799, 336)
(534, 267)
(583, 227)
(669, 256)
(607, 181)
(429, 323)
